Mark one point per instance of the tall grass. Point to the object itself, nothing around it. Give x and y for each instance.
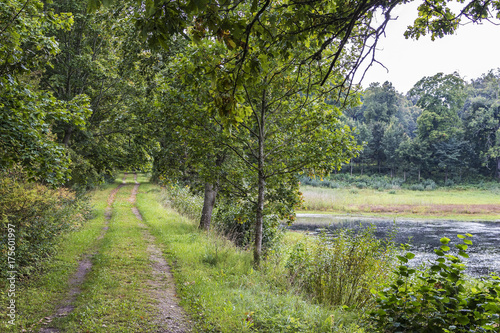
(335, 269)
(182, 200)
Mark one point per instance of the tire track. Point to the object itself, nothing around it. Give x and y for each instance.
(171, 317)
(66, 306)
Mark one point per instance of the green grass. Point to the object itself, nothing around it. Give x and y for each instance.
(361, 201)
(52, 284)
(113, 296)
(219, 287)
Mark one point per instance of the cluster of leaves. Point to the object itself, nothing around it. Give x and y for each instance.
(438, 299)
(39, 215)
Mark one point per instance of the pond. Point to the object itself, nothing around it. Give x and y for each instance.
(423, 235)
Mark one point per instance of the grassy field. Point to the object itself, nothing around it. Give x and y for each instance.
(439, 203)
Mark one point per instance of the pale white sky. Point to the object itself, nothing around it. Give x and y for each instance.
(472, 51)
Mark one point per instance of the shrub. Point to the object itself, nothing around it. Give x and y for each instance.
(182, 200)
(340, 269)
(360, 185)
(429, 184)
(37, 215)
(437, 300)
(234, 220)
(417, 187)
(449, 183)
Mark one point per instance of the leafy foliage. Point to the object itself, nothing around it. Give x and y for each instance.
(438, 299)
(39, 215)
(27, 113)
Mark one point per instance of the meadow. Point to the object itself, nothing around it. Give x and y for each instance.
(441, 203)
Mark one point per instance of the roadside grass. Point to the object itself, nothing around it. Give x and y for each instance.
(372, 202)
(38, 296)
(219, 287)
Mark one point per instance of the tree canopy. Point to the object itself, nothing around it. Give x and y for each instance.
(236, 98)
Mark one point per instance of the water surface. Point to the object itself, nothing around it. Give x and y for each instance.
(423, 235)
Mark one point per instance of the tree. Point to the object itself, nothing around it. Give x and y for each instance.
(380, 102)
(439, 126)
(447, 155)
(414, 154)
(290, 129)
(482, 120)
(27, 113)
(391, 141)
(95, 60)
(192, 135)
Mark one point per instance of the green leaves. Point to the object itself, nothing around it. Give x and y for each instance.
(444, 240)
(437, 300)
(437, 18)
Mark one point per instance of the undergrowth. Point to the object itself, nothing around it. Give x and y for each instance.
(438, 299)
(35, 215)
(384, 182)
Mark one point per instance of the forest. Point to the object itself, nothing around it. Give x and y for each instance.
(444, 128)
(231, 101)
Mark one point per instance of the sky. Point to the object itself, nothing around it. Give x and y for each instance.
(472, 51)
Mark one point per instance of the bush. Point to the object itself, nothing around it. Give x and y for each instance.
(417, 187)
(429, 184)
(182, 200)
(37, 215)
(340, 269)
(449, 183)
(437, 300)
(360, 185)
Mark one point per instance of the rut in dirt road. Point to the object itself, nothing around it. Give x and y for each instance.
(84, 267)
(171, 316)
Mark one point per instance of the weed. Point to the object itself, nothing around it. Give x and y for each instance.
(341, 268)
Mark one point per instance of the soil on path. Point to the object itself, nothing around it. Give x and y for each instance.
(84, 266)
(171, 317)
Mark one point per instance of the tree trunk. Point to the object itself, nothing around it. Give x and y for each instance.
(67, 136)
(404, 175)
(259, 220)
(208, 206)
(498, 168)
(351, 168)
(419, 175)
